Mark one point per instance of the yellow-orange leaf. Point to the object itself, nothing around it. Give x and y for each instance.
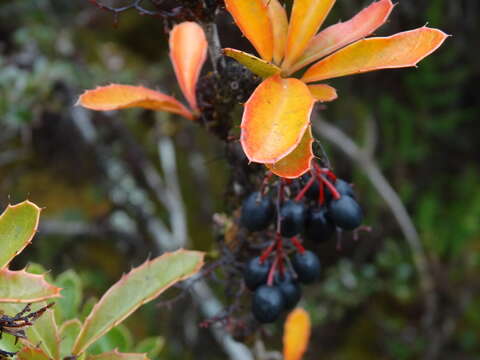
(279, 19)
(400, 50)
(252, 18)
(339, 35)
(188, 50)
(115, 97)
(323, 92)
(307, 17)
(275, 119)
(256, 65)
(298, 161)
(296, 334)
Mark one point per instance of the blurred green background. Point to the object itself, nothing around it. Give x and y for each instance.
(421, 125)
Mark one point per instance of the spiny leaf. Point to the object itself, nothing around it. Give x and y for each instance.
(400, 50)
(138, 287)
(115, 355)
(18, 224)
(254, 64)
(341, 34)
(296, 334)
(188, 51)
(23, 287)
(298, 161)
(275, 118)
(306, 18)
(323, 92)
(252, 18)
(116, 96)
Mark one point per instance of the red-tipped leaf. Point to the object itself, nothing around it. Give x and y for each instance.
(400, 50)
(298, 161)
(251, 16)
(116, 97)
(341, 34)
(275, 119)
(188, 51)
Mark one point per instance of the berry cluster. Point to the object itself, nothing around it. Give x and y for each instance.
(312, 208)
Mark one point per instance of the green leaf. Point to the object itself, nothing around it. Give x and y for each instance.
(67, 306)
(18, 224)
(138, 287)
(7, 342)
(118, 338)
(115, 355)
(23, 287)
(68, 333)
(151, 345)
(43, 333)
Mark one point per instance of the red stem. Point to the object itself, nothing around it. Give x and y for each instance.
(321, 193)
(267, 252)
(297, 244)
(335, 193)
(272, 272)
(307, 186)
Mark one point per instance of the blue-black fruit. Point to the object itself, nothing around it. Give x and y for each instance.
(345, 213)
(256, 273)
(267, 303)
(292, 217)
(344, 188)
(289, 288)
(307, 266)
(318, 227)
(257, 212)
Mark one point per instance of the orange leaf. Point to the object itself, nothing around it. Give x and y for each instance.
(254, 64)
(339, 35)
(298, 161)
(323, 92)
(307, 17)
(279, 19)
(400, 50)
(252, 18)
(188, 51)
(115, 97)
(275, 118)
(296, 334)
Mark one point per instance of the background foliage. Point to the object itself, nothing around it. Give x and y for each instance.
(420, 124)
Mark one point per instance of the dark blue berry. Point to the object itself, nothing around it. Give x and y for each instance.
(292, 217)
(289, 288)
(345, 213)
(257, 212)
(318, 228)
(256, 273)
(267, 304)
(307, 266)
(344, 188)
